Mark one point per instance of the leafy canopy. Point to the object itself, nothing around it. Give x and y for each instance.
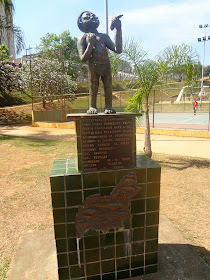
(47, 78)
(10, 77)
(62, 47)
(4, 53)
(178, 62)
(146, 74)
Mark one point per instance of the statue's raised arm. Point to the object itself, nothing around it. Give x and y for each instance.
(92, 47)
(116, 24)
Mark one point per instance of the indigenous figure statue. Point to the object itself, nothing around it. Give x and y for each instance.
(92, 47)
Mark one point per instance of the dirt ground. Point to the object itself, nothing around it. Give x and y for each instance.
(25, 199)
(184, 199)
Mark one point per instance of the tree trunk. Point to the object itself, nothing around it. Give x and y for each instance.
(43, 103)
(147, 141)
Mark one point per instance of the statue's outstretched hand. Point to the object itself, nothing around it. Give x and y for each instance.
(116, 23)
(91, 38)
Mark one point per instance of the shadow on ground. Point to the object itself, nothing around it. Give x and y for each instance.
(179, 262)
(185, 162)
(46, 134)
(176, 261)
(29, 141)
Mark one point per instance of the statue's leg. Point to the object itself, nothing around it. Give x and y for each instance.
(93, 90)
(107, 81)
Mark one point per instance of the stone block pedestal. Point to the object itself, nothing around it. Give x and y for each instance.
(127, 195)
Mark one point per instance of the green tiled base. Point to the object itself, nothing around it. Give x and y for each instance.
(120, 253)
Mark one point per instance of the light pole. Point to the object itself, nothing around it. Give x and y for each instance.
(204, 39)
(106, 15)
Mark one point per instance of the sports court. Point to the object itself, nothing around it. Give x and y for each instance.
(200, 121)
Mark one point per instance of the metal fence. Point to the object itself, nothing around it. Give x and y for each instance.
(169, 113)
(169, 107)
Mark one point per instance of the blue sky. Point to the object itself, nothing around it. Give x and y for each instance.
(156, 24)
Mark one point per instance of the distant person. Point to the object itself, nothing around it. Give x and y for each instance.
(195, 105)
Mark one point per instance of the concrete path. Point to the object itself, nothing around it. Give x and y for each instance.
(172, 145)
(36, 257)
(39, 132)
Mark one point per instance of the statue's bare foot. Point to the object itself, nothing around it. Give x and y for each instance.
(109, 111)
(92, 111)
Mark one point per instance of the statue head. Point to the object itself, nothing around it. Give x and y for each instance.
(87, 22)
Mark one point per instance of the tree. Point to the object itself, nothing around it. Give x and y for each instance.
(10, 78)
(118, 64)
(6, 24)
(4, 53)
(63, 47)
(180, 62)
(8, 7)
(47, 79)
(177, 62)
(147, 73)
(114, 61)
(206, 71)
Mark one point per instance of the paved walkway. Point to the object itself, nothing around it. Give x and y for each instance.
(172, 145)
(39, 132)
(36, 257)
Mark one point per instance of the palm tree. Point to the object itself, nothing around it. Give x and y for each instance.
(7, 6)
(7, 26)
(175, 59)
(147, 73)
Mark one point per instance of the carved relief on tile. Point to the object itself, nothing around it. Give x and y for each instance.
(105, 213)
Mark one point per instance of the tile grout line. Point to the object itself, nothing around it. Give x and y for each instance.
(145, 223)
(66, 231)
(115, 253)
(130, 250)
(100, 263)
(83, 239)
(67, 161)
(99, 234)
(115, 238)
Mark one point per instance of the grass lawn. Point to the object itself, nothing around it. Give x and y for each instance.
(83, 102)
(25, 197)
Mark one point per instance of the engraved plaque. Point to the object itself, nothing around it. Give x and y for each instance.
(107, 143)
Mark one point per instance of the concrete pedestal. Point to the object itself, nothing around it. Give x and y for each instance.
(125, 251)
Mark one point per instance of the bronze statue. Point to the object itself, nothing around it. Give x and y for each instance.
(92, 47)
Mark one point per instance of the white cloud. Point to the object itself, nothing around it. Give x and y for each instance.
(173, 23)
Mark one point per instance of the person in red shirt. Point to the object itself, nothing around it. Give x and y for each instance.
(195, 104)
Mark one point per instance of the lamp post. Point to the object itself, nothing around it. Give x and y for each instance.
(106, 15)
(204, 39)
